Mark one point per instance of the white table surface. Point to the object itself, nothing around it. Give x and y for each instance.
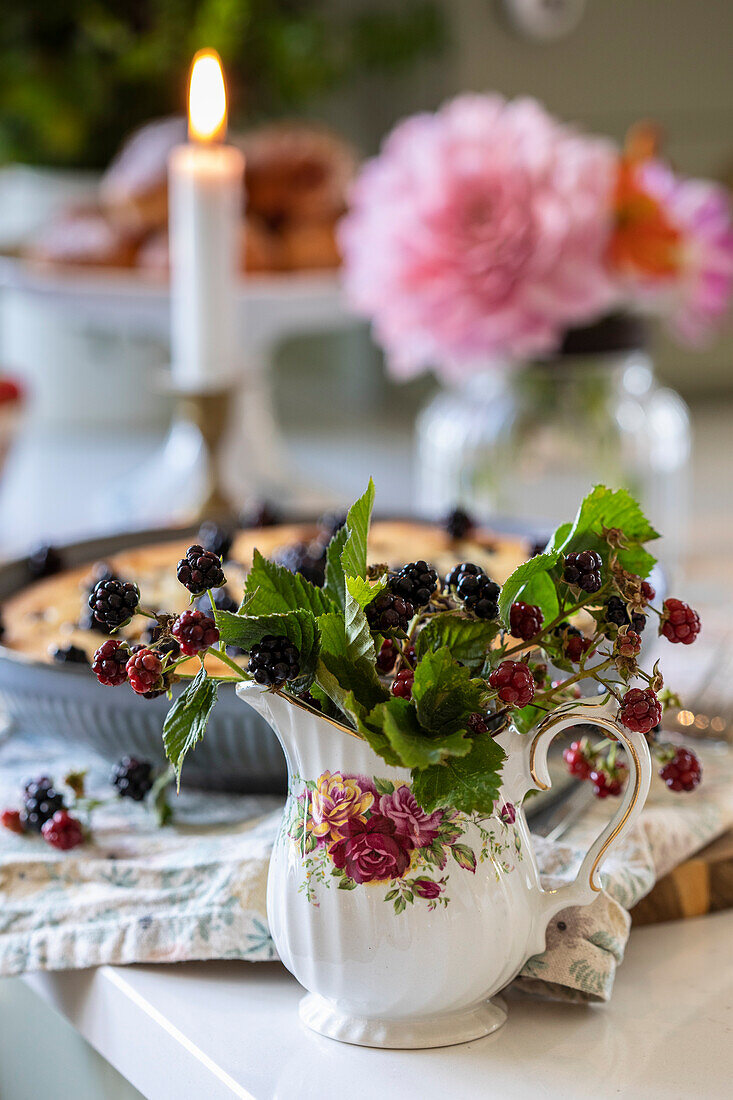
(223, 1030)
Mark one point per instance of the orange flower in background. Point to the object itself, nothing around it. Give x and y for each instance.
(644, 241)
(337, 801)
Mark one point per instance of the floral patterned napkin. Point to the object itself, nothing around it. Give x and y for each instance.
(196, 889)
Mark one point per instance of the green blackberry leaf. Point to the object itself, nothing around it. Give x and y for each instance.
(354, 554)
(364, 591)
(444, 694)
(346, 663)
(467, 640)
(185, 723)
(273, 588)
(612, 508)
(299, 627)
(466, 783)
(531, 583)
(414, 746)
(335, 583)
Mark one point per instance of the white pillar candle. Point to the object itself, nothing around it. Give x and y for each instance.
(206, 185)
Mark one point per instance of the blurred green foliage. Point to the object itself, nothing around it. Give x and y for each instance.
(77, 75)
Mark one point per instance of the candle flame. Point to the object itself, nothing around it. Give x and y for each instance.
(207, 98)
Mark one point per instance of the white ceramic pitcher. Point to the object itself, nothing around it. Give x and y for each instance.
(402, 925)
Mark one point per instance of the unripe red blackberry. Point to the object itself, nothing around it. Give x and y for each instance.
(63, 831)
(200, 570)
(387, 656)
(194, 632)
(578, 760)
(389, 614)
(583, 569)
(680, 623)
(628, 643)
(683, 772)
(525, 620)
(10, 819)
(513, 683)
(109, 664)
(402, 684)
(640, 710)
(605, 785)
(145, 672)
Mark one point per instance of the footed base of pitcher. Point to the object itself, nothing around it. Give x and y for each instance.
(447, 1030)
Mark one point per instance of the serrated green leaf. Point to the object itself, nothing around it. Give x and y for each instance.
(467, 640)
(335, 584)
(415, 746)
(273, 589)
(185, 723)
(444, 694)
(354, 554)
(465, 783)
(530, 582)
(299, 627)
(364, 591)
(373, 734)
(612, 508)
(346, 663)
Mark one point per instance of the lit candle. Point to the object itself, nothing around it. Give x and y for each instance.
(206, 182)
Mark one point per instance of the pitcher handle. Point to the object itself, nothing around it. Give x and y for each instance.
(589, 712)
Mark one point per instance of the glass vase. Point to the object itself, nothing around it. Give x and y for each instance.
(529, 440)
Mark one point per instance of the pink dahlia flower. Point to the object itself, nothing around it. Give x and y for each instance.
(478, 232)
(696, 294)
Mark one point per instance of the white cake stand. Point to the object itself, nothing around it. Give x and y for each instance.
(271, 309)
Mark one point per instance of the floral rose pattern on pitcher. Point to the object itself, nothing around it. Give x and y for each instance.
(352, 830)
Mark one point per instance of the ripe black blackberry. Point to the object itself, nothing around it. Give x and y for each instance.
(274, 661)
(44, 561)
(215, 538)
(69, 655)
(200, 570)
(40, 802)
(389, 614)
(133, 778)
(478, 594)
(618, 614)
(463, 567)
(458, 524)
(415, 582)
(306, 558)
(114, 602)
(583, 569)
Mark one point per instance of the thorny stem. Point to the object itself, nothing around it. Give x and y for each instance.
(537, 639)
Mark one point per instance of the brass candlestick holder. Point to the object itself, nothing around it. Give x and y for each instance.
(209, 412)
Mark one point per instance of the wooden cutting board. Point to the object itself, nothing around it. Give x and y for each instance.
(702, 884)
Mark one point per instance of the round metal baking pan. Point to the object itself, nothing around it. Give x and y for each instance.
(239, 753)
